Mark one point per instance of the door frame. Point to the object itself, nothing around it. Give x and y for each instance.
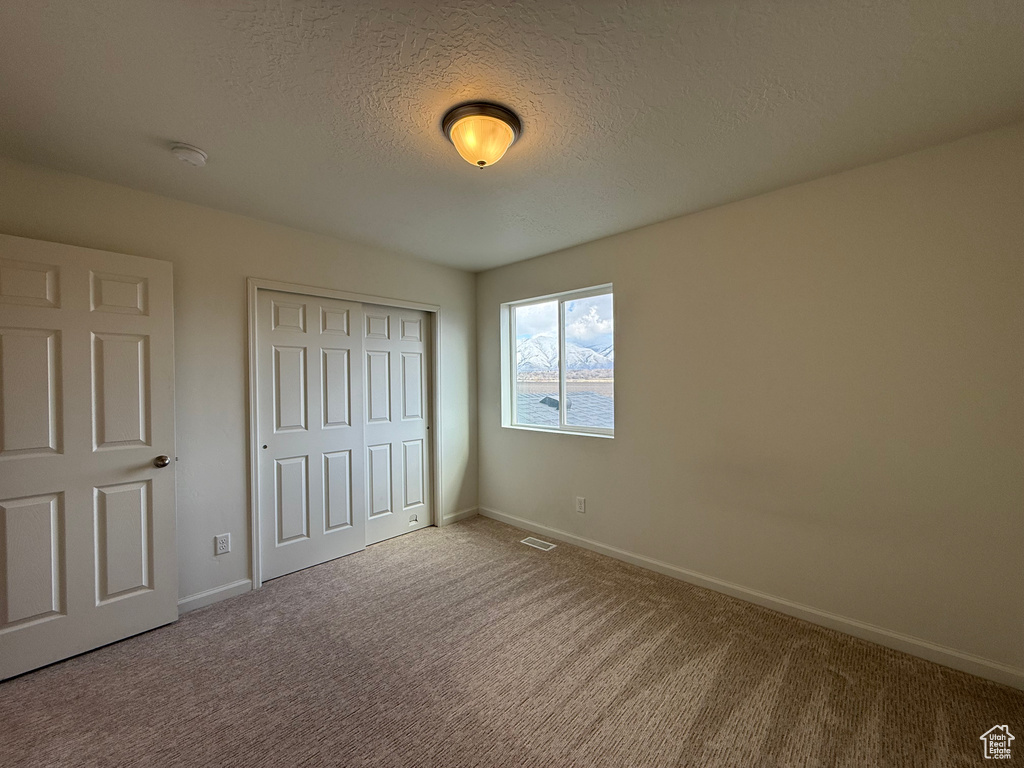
(255, 284)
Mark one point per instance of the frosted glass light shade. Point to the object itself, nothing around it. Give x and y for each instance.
(481, 133)
(481, 140)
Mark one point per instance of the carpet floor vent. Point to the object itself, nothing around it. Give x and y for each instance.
(532, 542)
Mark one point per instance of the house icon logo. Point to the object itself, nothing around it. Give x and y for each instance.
(997, 742)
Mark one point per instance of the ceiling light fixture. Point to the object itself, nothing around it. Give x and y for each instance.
(189, 154)
(481, 132)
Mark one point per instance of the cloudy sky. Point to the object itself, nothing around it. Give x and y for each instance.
(588, 322)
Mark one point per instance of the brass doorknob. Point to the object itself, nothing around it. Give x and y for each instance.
(161, 461)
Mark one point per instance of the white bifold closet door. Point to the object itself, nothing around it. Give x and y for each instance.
(342, 420)
(87, 519)
(396, 351)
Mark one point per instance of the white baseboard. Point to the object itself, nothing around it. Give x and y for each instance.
(462, 514)
(215, 595)
(915, 646)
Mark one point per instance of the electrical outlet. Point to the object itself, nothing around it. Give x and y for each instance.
(222, 544)
(581, 505)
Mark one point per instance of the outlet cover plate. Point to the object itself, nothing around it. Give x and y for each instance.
(222, 544)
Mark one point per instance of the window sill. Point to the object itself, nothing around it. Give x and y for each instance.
(556, 431)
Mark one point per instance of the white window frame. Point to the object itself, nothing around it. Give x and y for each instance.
(508, 366)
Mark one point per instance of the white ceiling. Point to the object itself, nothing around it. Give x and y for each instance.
(325, 115)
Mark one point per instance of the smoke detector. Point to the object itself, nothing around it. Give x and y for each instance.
(189, 154)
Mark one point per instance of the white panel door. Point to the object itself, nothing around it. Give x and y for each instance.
(396, 410)
(87, 538)
(309, 392)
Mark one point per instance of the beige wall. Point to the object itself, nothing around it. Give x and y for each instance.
(213, 252)
(820, 401)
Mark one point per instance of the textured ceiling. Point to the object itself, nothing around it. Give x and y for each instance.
(325, 115)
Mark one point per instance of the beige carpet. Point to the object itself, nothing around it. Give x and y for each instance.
(462, 647)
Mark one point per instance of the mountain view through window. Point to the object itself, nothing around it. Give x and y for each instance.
(589, 366)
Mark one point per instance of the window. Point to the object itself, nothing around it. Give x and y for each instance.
(560, 362)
